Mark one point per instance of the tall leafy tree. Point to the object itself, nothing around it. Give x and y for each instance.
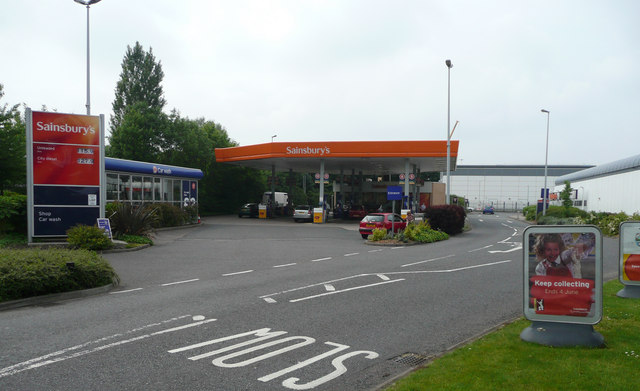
(138, 122)
(13, 162)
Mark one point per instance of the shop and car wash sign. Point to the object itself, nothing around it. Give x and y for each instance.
(563, 274)
(65, 162)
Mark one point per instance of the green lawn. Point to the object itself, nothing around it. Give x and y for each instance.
(502, 361)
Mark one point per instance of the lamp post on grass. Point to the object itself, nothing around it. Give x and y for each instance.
(449, 66)
(546, 156)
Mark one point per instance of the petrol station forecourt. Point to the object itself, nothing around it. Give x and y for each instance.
(345, 158)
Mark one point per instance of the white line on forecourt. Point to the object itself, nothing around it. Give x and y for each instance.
(128, 290)
(180, 282)
(429, 260)
(321, 259)
(236, 273)
(288, 264)
(62, 355)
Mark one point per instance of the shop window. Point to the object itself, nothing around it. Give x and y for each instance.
(177, 192)
(136, 188)
(157, 189)
(166, 190)
(147, 190)
(112, 187)
(124, 188)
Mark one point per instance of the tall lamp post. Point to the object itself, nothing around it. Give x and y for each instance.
(87, 3)
(449, 66)
(546, 156)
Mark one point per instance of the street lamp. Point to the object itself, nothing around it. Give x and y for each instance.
(274, 136)
(88, 3)
(449, 66)
(546, 156)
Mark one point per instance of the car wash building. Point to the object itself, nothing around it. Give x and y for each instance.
(347, 163)
(141, 182)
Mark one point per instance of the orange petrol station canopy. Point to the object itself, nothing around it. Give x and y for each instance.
(368, 157)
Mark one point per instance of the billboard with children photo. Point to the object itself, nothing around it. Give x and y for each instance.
(563, 274)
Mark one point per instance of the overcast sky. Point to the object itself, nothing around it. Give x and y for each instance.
(348, 70)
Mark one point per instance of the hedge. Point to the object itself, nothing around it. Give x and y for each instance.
(34, 272)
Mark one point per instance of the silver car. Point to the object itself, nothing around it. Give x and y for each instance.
(303, 213)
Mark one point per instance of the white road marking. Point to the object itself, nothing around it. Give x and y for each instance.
(46, 360)
(344, 290)
(321, 259)
(480, 220)
(394, 248)
(270, 300)
(509, 221)
(428, 260)
(481, 248)
(451, 270)
(128, 290)
(180, 282)
(383, 277)
(285, 265)
(302, 364)
(505, 251)
(236, 273)
(350, 254)
(374, 251)
(329, 287)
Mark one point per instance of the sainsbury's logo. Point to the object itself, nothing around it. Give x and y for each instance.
(64, 128)
(308, 151)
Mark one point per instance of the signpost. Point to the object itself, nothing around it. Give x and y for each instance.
(105, 224)
(65, 166)
(394, 193)
(629, 268)
(562, 285)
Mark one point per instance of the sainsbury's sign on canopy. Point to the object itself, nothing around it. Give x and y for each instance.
(65, 128)
(321, 151)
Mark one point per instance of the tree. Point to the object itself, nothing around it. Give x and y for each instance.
(13, 161)
(137, 122)
(565, 195)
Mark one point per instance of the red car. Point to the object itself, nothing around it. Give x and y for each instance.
(357, 212)
(381, 220)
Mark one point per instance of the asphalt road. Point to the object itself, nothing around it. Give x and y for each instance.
(246, 304)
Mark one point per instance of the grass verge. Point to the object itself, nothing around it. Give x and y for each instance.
(501, 360)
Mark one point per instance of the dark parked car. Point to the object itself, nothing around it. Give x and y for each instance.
(487, 210)
(381, 220)
(250, 210)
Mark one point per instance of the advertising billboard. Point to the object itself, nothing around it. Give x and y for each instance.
(563, 274)
(630, 253)
(65, 166)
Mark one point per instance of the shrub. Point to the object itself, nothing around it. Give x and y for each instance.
(529, 212)
(136, 239)
(563, 212)
(423, 233)
(552, 220)
(33, 272)
(88, 238)
(12, 239)
(169, 215)
(446, 218)
(127, 219)
(13, 213)
(378, 234)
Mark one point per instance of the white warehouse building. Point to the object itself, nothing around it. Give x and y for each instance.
(505, 187)
(612, 187)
